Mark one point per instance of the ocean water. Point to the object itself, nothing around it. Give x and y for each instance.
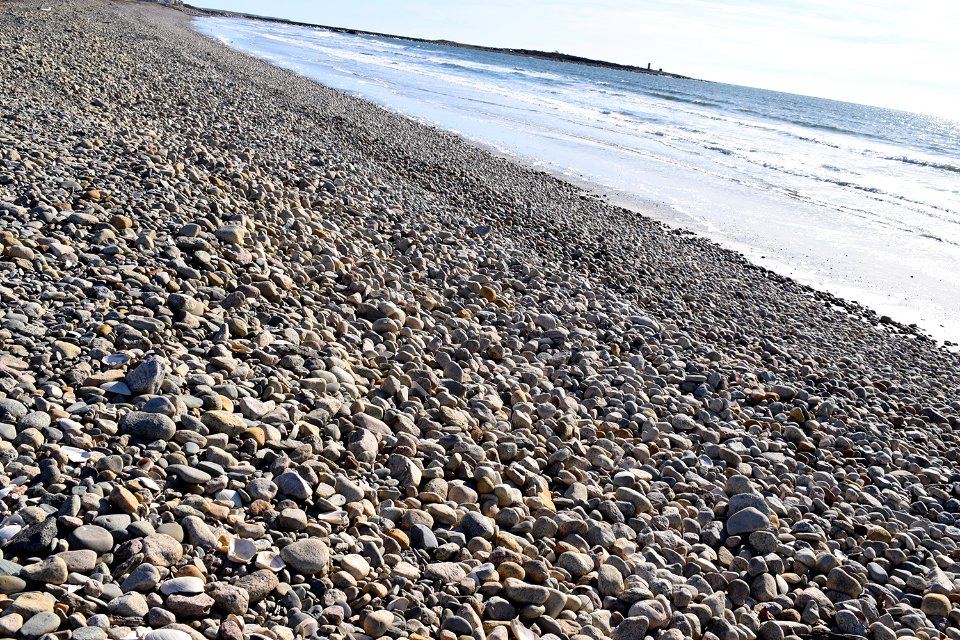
(860, 201)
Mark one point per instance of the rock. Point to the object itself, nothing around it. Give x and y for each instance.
(377, 623)
(161, 550)
(92, 537)
(747, 520)
(231, 424)
(146, 378)
(144, 578)
(842, 582)
(576, 564)
(190, 606)
(609, 581)
(444, 572)
(34, 540)
(524, 593)
(633, 628)
(131, 605)
(309, 557)
(231, 234)
(229, 598)
(148, 426)
(476, 525)
(52, 570)
(12, 584)
(258, 584)
(189, 475)
(936, 604)
(40, 624)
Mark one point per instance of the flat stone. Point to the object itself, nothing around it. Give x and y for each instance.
(89, 633)
(11, 584)
(194, 606)
(523, 592)
(188, 475)
(842, 582)
(31, 603)
(226, 422)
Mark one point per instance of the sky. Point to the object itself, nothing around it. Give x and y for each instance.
(898, 54)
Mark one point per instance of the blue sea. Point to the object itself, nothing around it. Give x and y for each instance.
(860, 201)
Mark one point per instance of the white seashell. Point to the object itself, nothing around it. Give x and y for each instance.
(186, 584)
(270, 560)
(116, 358)
(241, 550)
(76, 455)
(520, 632)
(229, 495)
(167, 634)
(8, 531)
(335, 517)
(148, 483)
(117, 387)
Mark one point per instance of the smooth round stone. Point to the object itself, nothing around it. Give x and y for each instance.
(477, 525)
(377, 623)
(747, 521)
(936, 604)
(11, 584)
(39, 624)
(576, 564)
(93, 537)
(148, 426)
(189, 475)
(131, 605)
(89, 633)
(113, 522)
(356, 565)
(172, 529)
(309, 557)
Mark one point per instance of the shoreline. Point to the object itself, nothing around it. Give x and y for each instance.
(816, 264)
(277, 362)
(525, 53)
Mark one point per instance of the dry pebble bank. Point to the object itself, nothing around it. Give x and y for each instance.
(277, 364)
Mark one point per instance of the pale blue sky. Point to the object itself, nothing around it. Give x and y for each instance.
(894, 54)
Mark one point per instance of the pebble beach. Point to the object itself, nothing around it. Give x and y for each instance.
(276, 363)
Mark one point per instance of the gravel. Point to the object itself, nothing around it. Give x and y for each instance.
(276, 363)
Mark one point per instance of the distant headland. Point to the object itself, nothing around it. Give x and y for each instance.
(527, 53)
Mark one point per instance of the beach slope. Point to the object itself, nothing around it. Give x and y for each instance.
(277, 363)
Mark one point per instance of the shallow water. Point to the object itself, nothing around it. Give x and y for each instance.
(860, 201)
